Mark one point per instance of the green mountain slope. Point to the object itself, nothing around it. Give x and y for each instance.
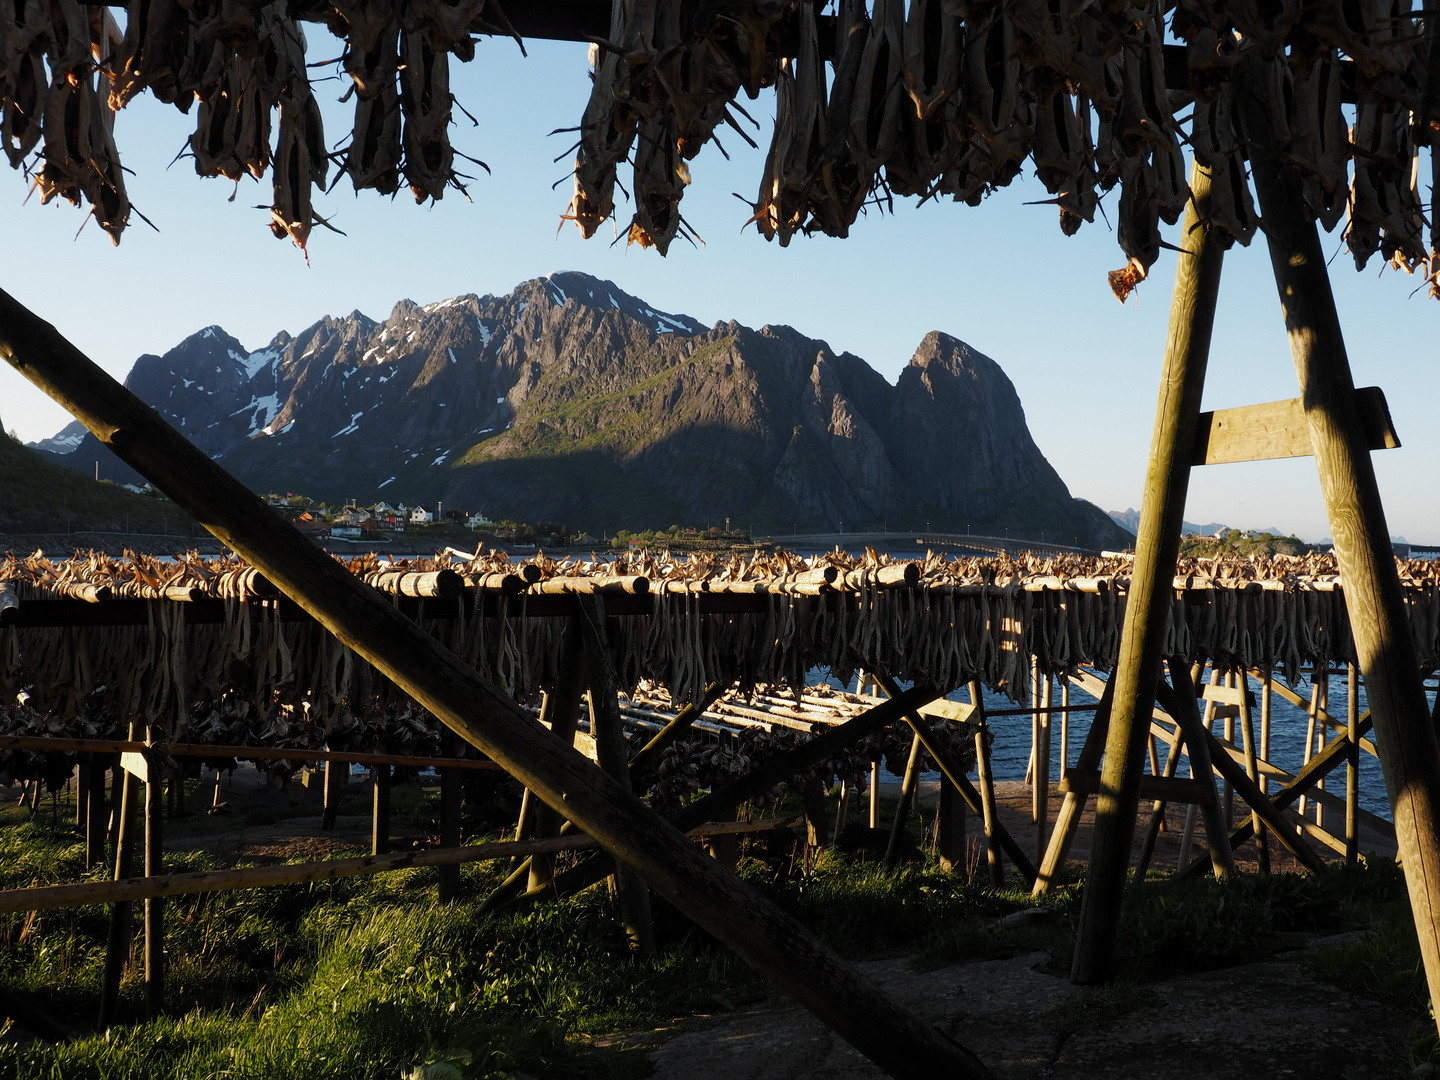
(36, 496)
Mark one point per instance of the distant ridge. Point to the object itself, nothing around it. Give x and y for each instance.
(571, 400)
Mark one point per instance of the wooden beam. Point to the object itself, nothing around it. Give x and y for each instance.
(1374, 599)
(1168, 788)
(1278, 429)
(1147, 607)
(49, 745)
(607, 728)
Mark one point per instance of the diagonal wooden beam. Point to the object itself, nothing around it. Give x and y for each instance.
(479, 712)
(1374, 598)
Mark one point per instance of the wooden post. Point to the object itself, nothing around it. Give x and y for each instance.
(337, 774)
(117, 948)
(380, 809)
(81, 780)
(902, 812)
(603, 807)
(725, 848)
(1064, 725)
(1147, 608)
(96, 816)
(449, 881)
(154, 905)
(1384, 649)
(1252, 769)
(817, 828)
(1072, 809)
(561, 712)
(608, 730)
(1227, 797)
(1042, 768)
(1266, 702)
(1157, 810)
(1352, 766)
(989, 812)
(950, 828)
(875, 793)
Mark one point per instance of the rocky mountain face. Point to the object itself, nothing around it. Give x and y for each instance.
(570, 400)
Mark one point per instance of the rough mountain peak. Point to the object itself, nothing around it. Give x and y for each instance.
(570, 399)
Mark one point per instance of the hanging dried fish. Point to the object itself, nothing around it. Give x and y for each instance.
(425, 106)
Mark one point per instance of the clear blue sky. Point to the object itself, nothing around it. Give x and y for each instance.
(1001, 276)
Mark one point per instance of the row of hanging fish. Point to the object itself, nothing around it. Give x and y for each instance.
(932, 98)
(66, 68)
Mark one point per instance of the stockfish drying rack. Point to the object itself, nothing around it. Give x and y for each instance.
(1293, 113)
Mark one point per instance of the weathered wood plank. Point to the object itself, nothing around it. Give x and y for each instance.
(1278, 429)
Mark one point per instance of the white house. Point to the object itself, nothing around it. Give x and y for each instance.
(421, 516)
(474, 521)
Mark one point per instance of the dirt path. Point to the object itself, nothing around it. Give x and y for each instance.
(1265, 1021)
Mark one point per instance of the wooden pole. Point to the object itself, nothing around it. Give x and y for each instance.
(1252, 769)
(448, 887)
(1266, 704)
(96, 815)
(1157, 811)
(764, 936)
(1227, 797)
(1042, 768)
(117, 948)
(902, 810)
(1352, 766)
(875, 793)
(950, 828)
(607, 727)
(1072, 809)
(380, 809)
(1384, 649)
(1064, 725)
(154, 905)
(817, 827)
(561, 713)
(336, 775)
(1147, 607)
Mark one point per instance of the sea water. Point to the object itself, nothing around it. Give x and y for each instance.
(1010, 752)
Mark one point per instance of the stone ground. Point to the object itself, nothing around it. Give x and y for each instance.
(1266, 1021)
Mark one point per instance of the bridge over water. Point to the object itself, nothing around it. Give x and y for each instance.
(918, 541)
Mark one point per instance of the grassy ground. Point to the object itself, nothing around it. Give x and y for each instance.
(369, 977)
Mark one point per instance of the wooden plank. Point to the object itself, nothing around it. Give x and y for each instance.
(1278, 429)
(137, 764)
(1226, 695)
(945, 709)
(1168, 788)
